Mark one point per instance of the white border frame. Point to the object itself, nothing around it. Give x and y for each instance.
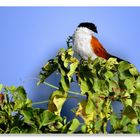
(69, 2)
(69, 137)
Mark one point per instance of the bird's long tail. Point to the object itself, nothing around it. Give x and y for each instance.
(118, 59)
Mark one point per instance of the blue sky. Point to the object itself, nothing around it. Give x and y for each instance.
(30, 36)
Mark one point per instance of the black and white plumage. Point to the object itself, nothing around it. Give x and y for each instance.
(87, 45)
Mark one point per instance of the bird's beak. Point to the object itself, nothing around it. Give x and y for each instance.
(96, 31)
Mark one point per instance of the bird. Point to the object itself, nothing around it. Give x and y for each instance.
(87, 45)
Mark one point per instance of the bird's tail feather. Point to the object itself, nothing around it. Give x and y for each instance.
(118, 59)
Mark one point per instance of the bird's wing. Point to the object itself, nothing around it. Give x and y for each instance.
(98, 49)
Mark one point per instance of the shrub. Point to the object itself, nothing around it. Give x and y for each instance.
(101, 83)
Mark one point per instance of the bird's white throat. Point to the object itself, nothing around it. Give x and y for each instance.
(82, 43)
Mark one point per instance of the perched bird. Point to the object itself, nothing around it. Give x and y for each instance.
(87, 45)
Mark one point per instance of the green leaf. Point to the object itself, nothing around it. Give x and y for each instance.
(62, 50)
(130, 112)
(11, 89)
(84, 86)
(28, 103)
(3, 116)
(98, 125)
(123, 66)
(84, 128)
(66, 63)
(56, 101)
(21, 94)
(135, 121)
(125, 75)
(1, 86)
(110, 63)
(114, 121)
(134, 71)
(28, 129)
(137, 85)
(28, 116)
(128, 102)
(81, 111)
(125, 120)
(70, 51)
(108, 74)
(59, 125)
(99, 85)
(1, 131)
(63, 57)
(18, 105)
(129, 83)
(132, 129)
(47, 117)
(73, 67)
(62, 70)
(20, 99)
(15, 130)
(48, 69)
(74, 125)
(133, 97)
(64, 82)
(90, 107)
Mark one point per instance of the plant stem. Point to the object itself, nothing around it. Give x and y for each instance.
(46, 101)
(50, 85)
(76, 93)
(75, 97)
(55, 87)
(72, 92)
(42, 102)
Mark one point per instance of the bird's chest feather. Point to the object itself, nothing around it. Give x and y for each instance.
(82, 45)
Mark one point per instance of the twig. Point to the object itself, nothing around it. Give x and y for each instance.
(55, 87)
(42, 102)
(46, 101)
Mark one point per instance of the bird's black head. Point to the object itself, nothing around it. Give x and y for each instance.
(89, 25)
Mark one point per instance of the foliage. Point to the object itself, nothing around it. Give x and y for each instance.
(18, 116)
(101, 82)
